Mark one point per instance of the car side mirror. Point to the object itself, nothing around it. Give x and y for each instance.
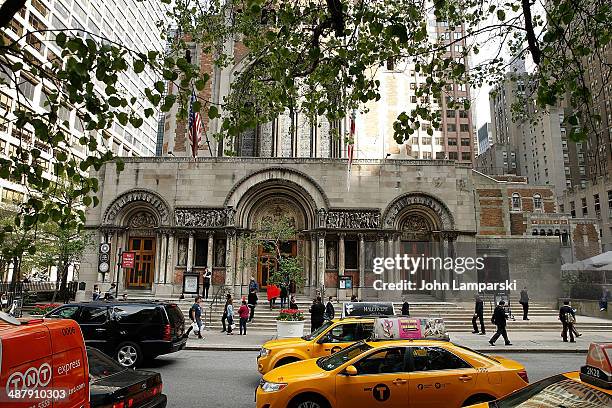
(324, 339)
(350, 370)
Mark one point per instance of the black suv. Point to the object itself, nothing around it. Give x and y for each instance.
(128, 331)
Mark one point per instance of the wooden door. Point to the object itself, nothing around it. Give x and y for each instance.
(141, 275)
(417, 249)
(267, 262)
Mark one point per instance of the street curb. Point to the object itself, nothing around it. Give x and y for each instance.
(491, 350)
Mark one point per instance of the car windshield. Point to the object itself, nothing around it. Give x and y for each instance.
(557, 391)
(100, 365)
(337, 359)
(320, 330)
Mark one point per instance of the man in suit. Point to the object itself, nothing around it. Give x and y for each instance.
(499, 319)
(478, 315)
(567, 315)
(524, 301)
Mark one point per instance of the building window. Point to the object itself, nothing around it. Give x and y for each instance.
(537, 202)
(573, 209)
(450, 113)
(610, 202)
(451, 127)
(516, 202)
(466, 156)
(11, 196)
(464, 127)
(465, 142)
(453, 155)
(585, 210)
(597, 205)
(452, 141)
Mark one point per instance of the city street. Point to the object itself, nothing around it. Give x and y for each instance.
(228, 379)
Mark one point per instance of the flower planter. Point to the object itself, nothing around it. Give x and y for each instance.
(288, 328)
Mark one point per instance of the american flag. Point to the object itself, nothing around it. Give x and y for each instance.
(350, 149)
(195, 126)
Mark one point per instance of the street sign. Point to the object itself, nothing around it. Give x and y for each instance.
(346, 282)
(127, 259)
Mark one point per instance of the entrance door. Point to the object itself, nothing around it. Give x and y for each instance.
(417, 249)
(141, 275)
(267, 260)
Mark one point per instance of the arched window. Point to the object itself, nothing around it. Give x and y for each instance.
(516, 202)
(542, 232)
(557, 233)
(537, 202)
(534, 232)
(549, 232)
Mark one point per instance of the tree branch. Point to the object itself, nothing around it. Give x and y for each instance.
(8, 9)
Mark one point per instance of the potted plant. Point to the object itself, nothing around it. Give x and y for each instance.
(290, 323)
(43, 309)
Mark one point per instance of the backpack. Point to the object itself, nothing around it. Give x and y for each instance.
(569, 318)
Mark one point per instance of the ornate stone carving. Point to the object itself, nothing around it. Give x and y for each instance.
(204, 217)
(331, 255)
(396, 207)
(144, 196)
(352, 219)
(415, 223)
(142, 220)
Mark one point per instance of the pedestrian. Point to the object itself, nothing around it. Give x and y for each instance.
(206, 285)
(292, 303)
(317, 314)
(405, 308)
(96, 293)
(284, 295)
(108, 295)
(273, 292)
(499, 319)
(354, 298)
(253, 285)
(292, 288)
(195, 315)
(229, 311)
(252, 303)
(574, 325)
(124, 297)
(524, 301)
(329, 309)
(3, 302)
(224, 317)
(567, 316)
(478, 315)
(243, 314)
(603, 302)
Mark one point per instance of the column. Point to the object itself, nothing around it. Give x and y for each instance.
(390, 253)
(230, 257)
(312, 279)
(341, 253)
(120, 278)
(321, 262)
(361, 265)
(239, 280)
(397, 251)
(159, 236)
(190, 252)
(209, 255)
(163, 249)
(170, 262)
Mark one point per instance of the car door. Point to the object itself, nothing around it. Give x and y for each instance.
(438, 378)
(340, 336)
(382, 379)
(65, 312)
(96, 326)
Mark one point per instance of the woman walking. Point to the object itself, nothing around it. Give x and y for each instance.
(224, 318)
(243, 313)
(229, 311)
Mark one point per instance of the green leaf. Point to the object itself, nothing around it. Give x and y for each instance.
(139, 66)
(501, 15)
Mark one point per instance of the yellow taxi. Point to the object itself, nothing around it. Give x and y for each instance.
(399, 373)
(332, 336)
(591, 387)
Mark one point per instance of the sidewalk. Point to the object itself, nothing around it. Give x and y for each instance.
(522, 342)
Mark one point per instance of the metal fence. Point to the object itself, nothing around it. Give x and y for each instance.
(20, 294)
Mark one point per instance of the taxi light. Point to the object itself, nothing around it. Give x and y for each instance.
(598, 368)
(166, 335)
(119, 405)
(523, 375)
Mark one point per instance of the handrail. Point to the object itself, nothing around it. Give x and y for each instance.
(220, 293)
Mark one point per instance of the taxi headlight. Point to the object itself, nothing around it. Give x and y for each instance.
(264, 352)
(272, 387)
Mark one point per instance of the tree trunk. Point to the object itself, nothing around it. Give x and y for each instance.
(60, 285)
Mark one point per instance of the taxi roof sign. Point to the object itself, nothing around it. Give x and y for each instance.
(358, 309)
(598, 368)
(409, 328)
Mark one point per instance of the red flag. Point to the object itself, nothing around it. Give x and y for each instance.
(350, 149)
(195, 126)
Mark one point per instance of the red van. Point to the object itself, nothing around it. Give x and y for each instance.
(43, 364)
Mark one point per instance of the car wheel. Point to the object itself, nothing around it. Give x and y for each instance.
(478, 399)
(286, 361)
(128, 354)
(309, 401)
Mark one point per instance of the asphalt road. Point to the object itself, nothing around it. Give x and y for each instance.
(228, 379)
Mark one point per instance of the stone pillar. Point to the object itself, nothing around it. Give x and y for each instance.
(361, 265)
(120, 279)
(190, 252)
(321, 262)
(341, 253)
(390, 253)
(159, 236)
(396, 250)
(209, 255)
(239, 265)
(170, 262)
(312, 279)
(230, 257)
(163, 250)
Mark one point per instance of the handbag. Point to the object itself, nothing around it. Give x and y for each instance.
(194, 326)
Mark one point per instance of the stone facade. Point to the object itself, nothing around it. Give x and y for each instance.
(179, 215)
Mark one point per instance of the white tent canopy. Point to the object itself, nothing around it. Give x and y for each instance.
(601, 262)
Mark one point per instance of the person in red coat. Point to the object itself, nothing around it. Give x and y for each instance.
(273, 293)
(243, 313)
